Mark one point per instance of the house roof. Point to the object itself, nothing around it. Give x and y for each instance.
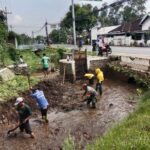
(144, 18)
(128, 27)
(106, 30)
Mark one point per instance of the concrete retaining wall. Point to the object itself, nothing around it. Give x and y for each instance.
(69, 68)
(96, 62)
(136, 63)
(70, 72)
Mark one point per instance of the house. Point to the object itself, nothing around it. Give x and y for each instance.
(135, 33)
(96, 32)
(127, 33)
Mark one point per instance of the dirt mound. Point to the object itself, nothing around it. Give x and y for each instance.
(53, 91)
(64, 97)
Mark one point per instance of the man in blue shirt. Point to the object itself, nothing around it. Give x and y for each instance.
(42, 102)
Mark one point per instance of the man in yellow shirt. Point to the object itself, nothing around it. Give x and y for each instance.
(100, 79)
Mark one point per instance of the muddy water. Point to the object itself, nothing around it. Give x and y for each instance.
(117, 101)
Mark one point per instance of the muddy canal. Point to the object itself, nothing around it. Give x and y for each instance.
(68, 115)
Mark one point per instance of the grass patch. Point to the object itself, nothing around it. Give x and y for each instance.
(34, 60)
(132, 133)
(13, 87)
(69, 143)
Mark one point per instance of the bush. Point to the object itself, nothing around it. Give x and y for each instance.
(13, 53)
(61, 51)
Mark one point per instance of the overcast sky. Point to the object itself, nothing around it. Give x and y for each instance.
(30, 15)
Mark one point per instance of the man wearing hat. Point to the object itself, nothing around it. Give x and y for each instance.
(24, 112)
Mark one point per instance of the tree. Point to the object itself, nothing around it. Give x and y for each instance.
(23, 39)
(2, 16)
(40, 39)
(59, 36)
(133, 10)
(118, 14)
(86, 18)
(3, 46)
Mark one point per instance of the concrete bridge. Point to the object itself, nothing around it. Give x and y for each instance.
(138, 65)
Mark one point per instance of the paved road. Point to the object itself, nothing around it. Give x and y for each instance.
(115, 49)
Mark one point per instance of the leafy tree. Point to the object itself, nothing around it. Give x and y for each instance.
(3, 46)
(40, 39)
(126, 12)
(23, 39)
(133, 10)
(58, 36)
(2, 16)
(86, 18)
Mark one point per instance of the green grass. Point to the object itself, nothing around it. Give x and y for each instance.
(33, 60)
(69, 143)
(20, 83)
(132, 133)
(13, 87)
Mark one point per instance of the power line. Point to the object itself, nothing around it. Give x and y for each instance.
(39, 29)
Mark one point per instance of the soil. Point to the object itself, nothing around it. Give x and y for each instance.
(68, 115)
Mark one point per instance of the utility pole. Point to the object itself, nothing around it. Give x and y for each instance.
(6, 13)
(46, 29)
(33, 37)
(74, 24)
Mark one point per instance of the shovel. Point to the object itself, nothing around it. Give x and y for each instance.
(11, 130)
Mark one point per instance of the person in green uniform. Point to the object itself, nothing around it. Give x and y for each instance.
(45, 64)
(24, 114)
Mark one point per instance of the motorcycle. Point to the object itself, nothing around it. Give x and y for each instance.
(107, 49)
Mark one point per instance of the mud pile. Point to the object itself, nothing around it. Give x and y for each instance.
(60, 96)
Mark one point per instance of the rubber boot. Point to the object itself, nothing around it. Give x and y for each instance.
(45, 119)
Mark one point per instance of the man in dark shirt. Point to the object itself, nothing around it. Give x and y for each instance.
(24, 113)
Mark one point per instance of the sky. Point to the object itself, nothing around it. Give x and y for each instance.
(30, 15)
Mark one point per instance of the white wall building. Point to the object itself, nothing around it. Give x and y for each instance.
(136, 33)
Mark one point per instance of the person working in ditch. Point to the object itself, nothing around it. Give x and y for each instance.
(100, 79)
(45, 64)
(91, 95)
(24, 112)
(90, 77)
(42, 102)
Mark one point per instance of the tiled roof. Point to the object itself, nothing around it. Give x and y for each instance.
(128, 27)
(106, 30)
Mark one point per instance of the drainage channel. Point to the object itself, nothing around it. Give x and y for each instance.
(75, 119)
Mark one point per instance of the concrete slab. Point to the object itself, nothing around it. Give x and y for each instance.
(6, 74)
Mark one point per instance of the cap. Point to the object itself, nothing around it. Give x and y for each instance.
(18, 100)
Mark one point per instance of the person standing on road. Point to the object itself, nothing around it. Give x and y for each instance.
(45, 63)
(24, 112)
(101, 46)
(91, 95)
(100, 79)
(41, 101)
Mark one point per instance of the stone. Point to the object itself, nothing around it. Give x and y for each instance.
(6, 74)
